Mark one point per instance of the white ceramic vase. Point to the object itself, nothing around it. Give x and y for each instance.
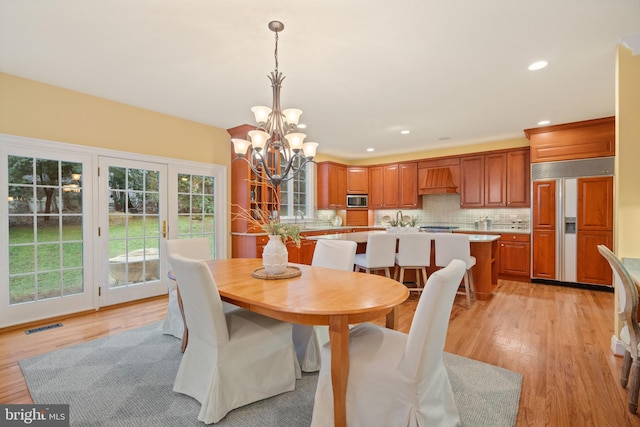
(275, 256)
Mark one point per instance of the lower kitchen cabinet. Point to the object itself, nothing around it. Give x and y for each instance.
(515, 252)
(591, 266)
(544, 254)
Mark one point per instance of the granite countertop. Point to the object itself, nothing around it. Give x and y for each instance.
(633, 267)
(362, 236)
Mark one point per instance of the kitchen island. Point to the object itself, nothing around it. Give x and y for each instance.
(484, 248)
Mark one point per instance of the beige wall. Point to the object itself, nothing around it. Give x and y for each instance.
(627, 220)
(37, 110)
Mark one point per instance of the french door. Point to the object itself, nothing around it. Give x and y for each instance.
(132, 230)
(48, 237)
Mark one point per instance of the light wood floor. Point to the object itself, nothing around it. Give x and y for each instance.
(557, 337)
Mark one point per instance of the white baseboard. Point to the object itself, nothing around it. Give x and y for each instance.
(616, 346)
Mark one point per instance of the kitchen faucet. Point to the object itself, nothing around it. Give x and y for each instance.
(399, 218)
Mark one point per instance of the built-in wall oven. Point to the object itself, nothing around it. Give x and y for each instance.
(357, 201)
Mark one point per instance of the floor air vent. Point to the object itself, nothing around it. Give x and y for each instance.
(43, 328)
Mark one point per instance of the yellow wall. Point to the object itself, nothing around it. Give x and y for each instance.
(37, 110)
(627, 221)
(427, 154)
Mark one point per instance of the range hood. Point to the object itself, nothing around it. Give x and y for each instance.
(437, 181)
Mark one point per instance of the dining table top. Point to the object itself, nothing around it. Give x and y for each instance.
(310, 297)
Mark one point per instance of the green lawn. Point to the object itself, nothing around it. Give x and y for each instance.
(58, 254)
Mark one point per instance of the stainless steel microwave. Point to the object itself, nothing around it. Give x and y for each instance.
(357, 201)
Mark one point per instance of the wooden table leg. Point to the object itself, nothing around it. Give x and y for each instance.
(392, 318)
(339, 339)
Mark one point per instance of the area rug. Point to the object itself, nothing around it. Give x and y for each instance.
(126, 380)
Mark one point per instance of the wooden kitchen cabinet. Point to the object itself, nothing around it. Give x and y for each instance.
(590, 266)
(518, 179)
(571, 141)
(331, 187)
(544, 254)
(408, 191)
(357, 180)
(495, 180)
(249, 192)
(544, 209)
(515, 254)
(594, 227)
(394, 186)
(472, 182)
(595, 203)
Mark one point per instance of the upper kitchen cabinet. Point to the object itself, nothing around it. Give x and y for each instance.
(357, 180)
(394, 186)
(472, 182)
(439, 176)
(496, 179)
(331, 185)
(572, 141)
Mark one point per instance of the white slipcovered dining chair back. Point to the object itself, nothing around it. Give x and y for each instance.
(431, 320)
(234, 357)
(193, 248)
(203, 308)
(414, 249)
(397, 379)
(336, 254)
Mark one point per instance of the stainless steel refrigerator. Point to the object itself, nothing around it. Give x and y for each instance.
(572, 212)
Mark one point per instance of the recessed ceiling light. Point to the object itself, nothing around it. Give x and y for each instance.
(405, 132)
(444, 138)
(538, 65)
(371, 149)
(543, 122)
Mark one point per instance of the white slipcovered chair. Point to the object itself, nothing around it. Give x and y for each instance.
(627, 309)
(308, 340)
(414, 253)
(380, 254)
(195, 248)
(233, 358)
(397, 379)
(451, 246)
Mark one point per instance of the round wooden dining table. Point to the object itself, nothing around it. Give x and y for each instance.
(318, 296)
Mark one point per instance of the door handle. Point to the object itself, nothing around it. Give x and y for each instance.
(164, 229)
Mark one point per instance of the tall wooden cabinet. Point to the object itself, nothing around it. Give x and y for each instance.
(594, 227)
(331, 187)
(543, 224)
(249, 193)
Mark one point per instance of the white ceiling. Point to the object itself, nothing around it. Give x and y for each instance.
(361, 70)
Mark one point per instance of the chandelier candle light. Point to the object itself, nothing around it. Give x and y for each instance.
(277, 134)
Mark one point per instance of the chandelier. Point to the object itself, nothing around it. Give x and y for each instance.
(279, 151)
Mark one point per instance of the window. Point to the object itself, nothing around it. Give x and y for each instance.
(196, 208)
(296, 194)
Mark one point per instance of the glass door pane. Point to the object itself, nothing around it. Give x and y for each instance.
(46, 241)
(135, 227)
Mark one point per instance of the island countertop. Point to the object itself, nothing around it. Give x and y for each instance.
(362, 236)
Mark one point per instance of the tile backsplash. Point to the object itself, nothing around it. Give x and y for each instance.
(445, 209)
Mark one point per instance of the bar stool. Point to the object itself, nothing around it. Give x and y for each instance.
(451, 246)
(414, 253)
(380, 254)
